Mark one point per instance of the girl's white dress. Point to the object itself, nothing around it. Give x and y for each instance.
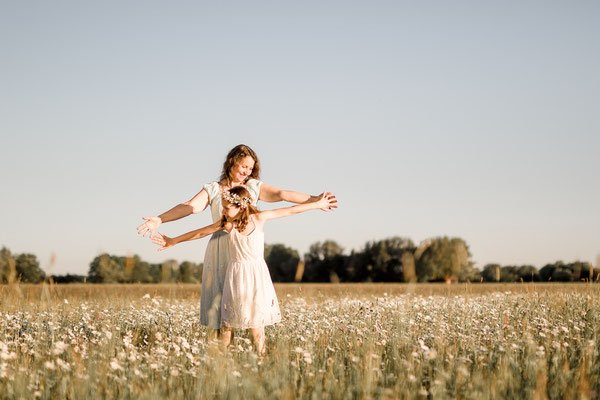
(249, 299)
(216, 257)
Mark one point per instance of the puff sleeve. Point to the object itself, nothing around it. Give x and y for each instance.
(253, 186)
(212, 189)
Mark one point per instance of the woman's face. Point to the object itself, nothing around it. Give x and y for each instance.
(242, 170)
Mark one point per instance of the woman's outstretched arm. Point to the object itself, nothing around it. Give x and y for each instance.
(165, 241)
(194, 205)
(271, 194)
(324, 201)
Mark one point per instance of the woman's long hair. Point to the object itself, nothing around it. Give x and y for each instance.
(234, 156)
(240, 196)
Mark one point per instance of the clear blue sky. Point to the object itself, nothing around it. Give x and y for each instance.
(467, 118)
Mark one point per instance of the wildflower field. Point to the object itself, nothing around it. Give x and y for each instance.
(468, 341)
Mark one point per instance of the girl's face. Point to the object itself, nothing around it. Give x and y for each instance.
(242, 170)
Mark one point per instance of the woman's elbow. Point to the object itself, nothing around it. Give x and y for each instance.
(192, 208)
(284, 195)
(274, 196)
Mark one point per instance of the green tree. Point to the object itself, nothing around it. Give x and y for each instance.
(547, 270)
(28, 268)
(68, 278)
(282, 262)
(385, 260)
(8, 272)
(444, 259)
(189, 272)
(155, 272)
(357, 267)
(562, 272)
(168, 271)
(528, 273)
(491, 272)
(324, 262)
(587, 271)
(409, 267)
(140, 273)
(321, 251)
(106, 269)
(509, 273)
(135, 270)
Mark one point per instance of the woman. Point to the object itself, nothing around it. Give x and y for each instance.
(241, 168)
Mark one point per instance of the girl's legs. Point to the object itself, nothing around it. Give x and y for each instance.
(213, 334)
(226, 336)
(258, 337)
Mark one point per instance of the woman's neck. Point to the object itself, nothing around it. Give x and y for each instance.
(228, 184)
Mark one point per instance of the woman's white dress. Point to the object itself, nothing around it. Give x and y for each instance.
(216, 257)
(249, 299)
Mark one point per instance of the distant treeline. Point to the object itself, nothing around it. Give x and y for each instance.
(394, 259)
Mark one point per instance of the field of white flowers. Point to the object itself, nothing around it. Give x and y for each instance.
(387, 341)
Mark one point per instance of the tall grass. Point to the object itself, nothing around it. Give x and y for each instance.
(336, 341)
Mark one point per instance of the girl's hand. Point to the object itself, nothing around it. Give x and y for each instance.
(327, 201)
(149, 226)
(228, 226)
(162, 240)
(332, 201)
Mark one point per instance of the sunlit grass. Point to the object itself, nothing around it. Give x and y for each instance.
(336, 341)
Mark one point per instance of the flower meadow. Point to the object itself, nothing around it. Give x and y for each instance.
(335, 342)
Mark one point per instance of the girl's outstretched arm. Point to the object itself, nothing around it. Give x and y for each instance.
(192, 206)
(272, 194)
(324, 201)
(165, 242)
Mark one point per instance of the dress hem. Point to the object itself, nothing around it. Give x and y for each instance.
(224, 325)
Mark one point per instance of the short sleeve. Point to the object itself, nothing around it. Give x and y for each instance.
(253, 186)
(212, 189)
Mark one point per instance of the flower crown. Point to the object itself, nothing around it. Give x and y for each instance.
(236, 199)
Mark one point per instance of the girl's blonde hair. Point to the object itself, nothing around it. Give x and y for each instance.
(234, 156)
(240, 196)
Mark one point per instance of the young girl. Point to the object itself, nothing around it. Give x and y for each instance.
(249, 300)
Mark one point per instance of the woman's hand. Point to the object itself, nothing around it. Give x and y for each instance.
(327, 201)
(162, 240)
(331, 201)
(149, 226)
